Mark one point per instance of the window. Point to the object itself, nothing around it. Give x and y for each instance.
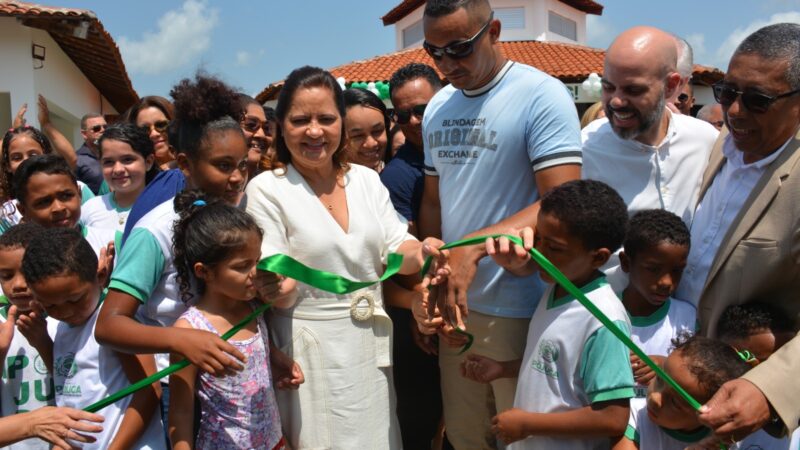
(562, 26)
(413, 34)
(511, 18)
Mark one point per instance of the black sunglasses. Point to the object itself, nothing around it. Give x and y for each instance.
(159, 125)
(457, 50)
(98, 128)
(754, 101)
(403, 116)
(252, 124)
(683, 97)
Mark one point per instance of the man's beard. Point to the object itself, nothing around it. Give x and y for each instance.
(645, 121)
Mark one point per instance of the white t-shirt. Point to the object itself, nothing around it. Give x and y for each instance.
(86, 372)
(761, 440)
(649, 436)
(665, 176)
(654, 333)
(26, 384)
(562, 371)
(104, 212)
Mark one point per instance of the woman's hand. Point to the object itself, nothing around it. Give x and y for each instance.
(56, 425)
(510, 256)
(423, 308)
(286, 373)
(278, 290)
(440, 269)
(208, 351)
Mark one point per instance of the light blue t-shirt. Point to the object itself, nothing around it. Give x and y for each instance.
(485, 146)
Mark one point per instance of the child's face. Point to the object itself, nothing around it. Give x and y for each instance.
(221, 170)
(67, 298)
(52, 200)
(22, 147)
(234, 277)
(762, 344)
(13, 283)
(565, 251)
(656, 271)
(123, 169)
(665, 406)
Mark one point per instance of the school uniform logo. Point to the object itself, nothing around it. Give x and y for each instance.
(65, 365)
(548, 357)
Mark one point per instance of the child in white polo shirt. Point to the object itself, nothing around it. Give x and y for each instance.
(575, 380)
(655, 251)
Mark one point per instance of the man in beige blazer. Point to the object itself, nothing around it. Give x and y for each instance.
(746, 230)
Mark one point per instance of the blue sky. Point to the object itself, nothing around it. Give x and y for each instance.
(251, 43)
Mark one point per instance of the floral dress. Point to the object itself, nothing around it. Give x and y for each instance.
(238, 411)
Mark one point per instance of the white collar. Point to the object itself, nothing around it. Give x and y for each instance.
(494, 82)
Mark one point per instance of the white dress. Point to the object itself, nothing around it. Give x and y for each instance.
(347, 400)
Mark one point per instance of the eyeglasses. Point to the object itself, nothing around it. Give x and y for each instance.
(457, 50)
(97, 128)
(403, 116)
(683, 98)
(159, 125)
(251, 124)
(754, 101)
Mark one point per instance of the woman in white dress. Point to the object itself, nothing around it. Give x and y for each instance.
(336, 217)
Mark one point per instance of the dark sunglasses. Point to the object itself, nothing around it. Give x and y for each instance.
(683, 97)
(403, 116)
(457, 50)
(754, 101)
(98, 128)
(159, 125)
(252, 124)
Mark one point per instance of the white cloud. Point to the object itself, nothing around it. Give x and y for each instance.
(599, 33)
(698, 43)
(243, 58)
(182, 35)
(725, 51)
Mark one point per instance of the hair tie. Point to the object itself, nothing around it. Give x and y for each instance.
(199, 203)
(747, 357)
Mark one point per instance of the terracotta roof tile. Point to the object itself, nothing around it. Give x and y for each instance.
(569, 63)
(97, 56)
(406, 7)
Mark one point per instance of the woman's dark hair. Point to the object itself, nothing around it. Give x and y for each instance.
(207, 230)
(712, 362)
(47, 164)
(367, 99)
(245, 101)
(203, 107)
(307, 77)
(5, 164)
(134, 136)
(151, 101)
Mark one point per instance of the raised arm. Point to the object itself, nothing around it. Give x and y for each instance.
(61, 144)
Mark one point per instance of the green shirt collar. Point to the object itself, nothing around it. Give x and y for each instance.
(588, 287)
(113, 199)
(657, 316)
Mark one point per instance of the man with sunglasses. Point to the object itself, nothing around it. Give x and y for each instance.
(685, 100)
(653, 157)
(499, 135)
(88, 169)
(745, 238)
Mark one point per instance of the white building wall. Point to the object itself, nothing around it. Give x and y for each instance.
(69, 93)
(565, 11)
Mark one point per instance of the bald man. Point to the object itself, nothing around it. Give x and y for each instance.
(712, 114)
(685, 68)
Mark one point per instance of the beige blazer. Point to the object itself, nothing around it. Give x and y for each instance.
(759, 259)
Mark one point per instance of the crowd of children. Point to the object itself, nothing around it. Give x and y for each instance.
(93, 316)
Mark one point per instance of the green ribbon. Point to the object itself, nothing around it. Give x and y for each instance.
(559, 277)
(326, 281)
(171, 369)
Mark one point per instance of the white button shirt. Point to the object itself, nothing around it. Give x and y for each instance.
(716, 212)
(665, 176)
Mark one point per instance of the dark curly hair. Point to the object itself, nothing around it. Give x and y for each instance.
(207, 230)
(138, 140)
(651, 227)
(203, 107)
(47, 164)
(19, 236)
(591, 210)
(413, 71)
(307, 77)
(6, 177)
(712, 362)
(743, 321)
(59, 251)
